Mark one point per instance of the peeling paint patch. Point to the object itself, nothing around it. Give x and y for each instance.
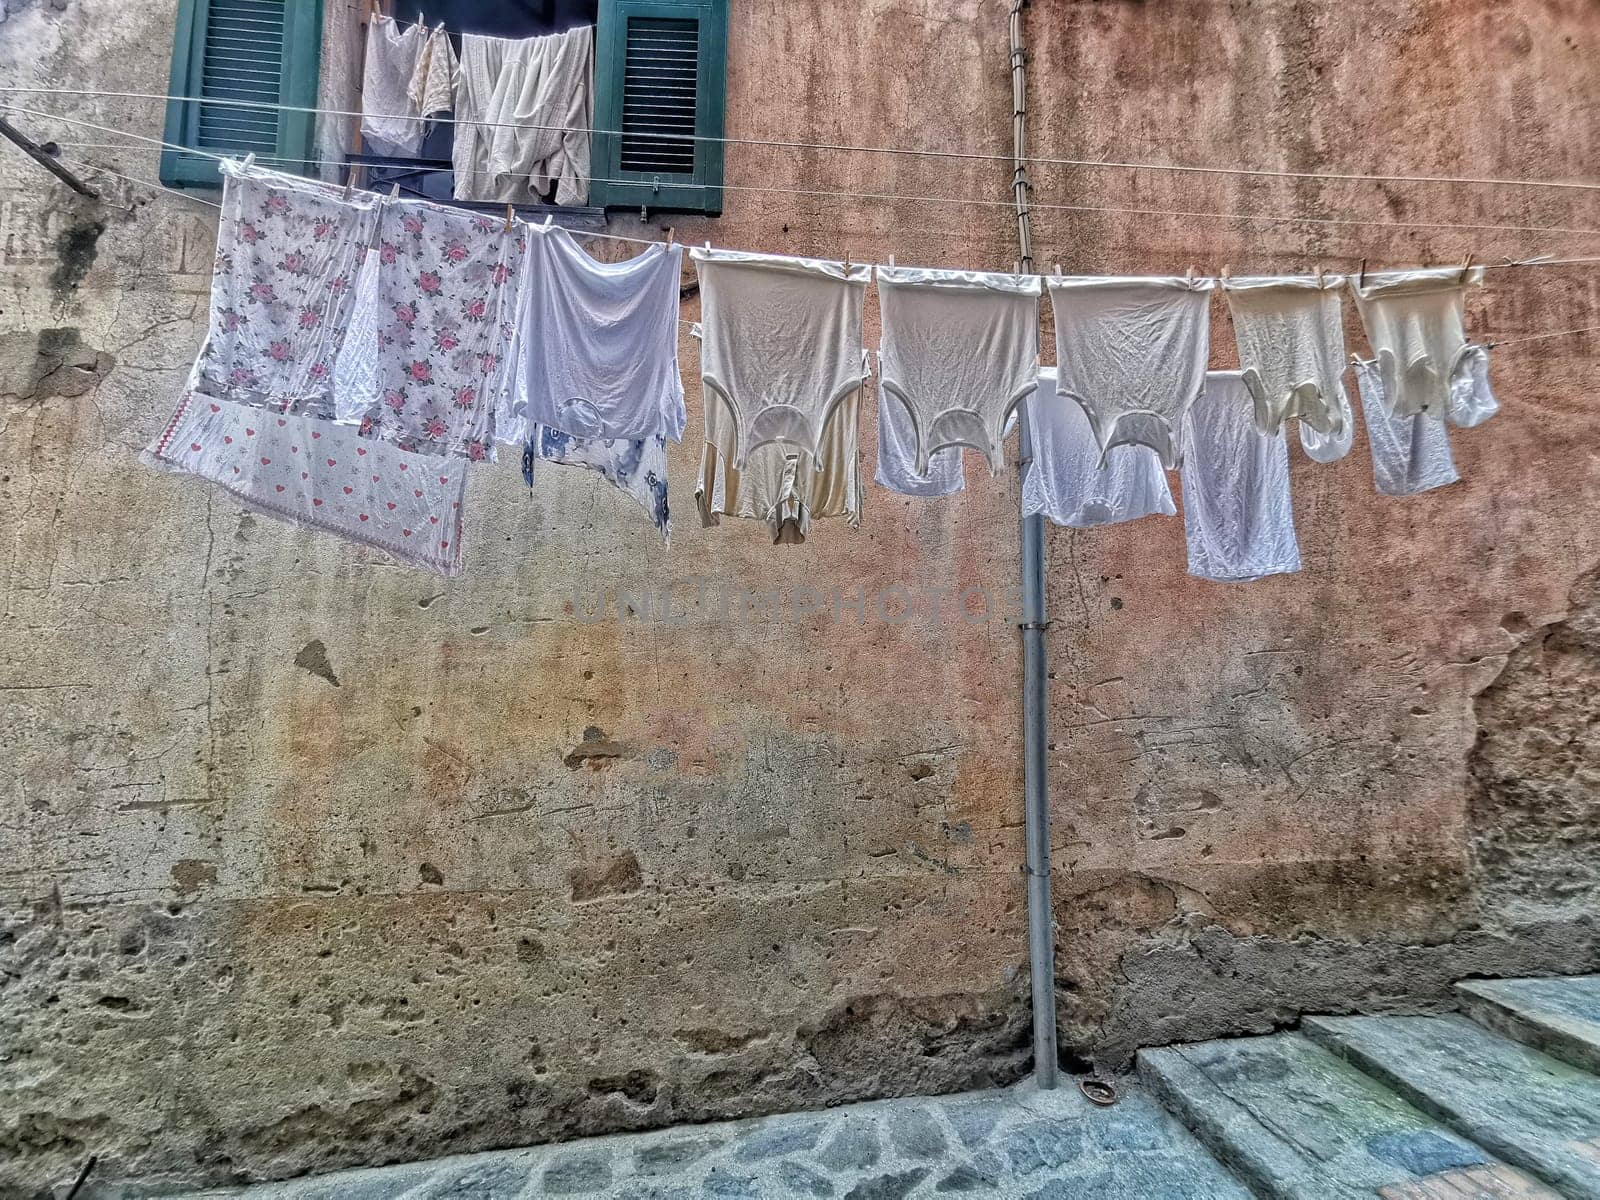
(596, 751)
(614, 877)
(313, 657)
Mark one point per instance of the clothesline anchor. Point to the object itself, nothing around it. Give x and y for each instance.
(42, 156)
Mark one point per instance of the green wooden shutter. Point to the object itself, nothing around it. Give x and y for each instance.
(660, 83)
(262, 51)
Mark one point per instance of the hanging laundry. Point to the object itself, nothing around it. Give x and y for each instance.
(445, 295)
(255, 417)
(288, 251)
(960, 352)
(786, 487)
(524, 108)
(1068, 482)
(1472, 401)
(782, 347)
(390, 119)
(432, 89)
(1331, 447)
(1290, 332)
(897, 450)
(598, 342)
(1132, 350)
(1237, 515)
(1416, 325)
(636, 467)
(1409, 454)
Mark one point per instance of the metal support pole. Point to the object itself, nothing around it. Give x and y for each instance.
(1036, 795)
(38, 155)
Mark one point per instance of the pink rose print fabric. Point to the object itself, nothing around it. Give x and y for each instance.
(287, 254)
(437, 310)
(318, 473)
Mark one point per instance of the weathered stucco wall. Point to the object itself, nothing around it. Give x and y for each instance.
(307, 860)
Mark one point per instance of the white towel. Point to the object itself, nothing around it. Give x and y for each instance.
(1237, 516)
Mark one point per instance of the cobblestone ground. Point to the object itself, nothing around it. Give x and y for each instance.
(1015, 1142)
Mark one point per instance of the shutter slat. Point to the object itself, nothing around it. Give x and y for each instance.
(659, 94)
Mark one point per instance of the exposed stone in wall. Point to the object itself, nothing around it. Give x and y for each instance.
(1536, 811)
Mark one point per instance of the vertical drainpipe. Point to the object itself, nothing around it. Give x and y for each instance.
(1036, 798)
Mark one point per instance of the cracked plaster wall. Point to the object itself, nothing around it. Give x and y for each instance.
(309, 861)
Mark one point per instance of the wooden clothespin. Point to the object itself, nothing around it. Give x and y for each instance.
(1057, 268)
(349, 181)
(1361, 277)
(1319, 275)
(1224, 274)
(672, 236)
(1466, 266)
(511, 216)
(1189, 275)
(250, 159)
(891, 260)
(549, 220)
(394, 192)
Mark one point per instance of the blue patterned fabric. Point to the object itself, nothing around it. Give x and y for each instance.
(636, 466)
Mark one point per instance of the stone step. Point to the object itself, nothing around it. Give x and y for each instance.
(1558, 1016)
(1527, 1108)
(1297, 1122)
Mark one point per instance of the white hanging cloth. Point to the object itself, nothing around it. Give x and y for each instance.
(1132, 350)
(1416, 325)
(524, 107)
(782, 344)
(1237, 516)
(1290, 334)
(960, 351)
(391, 122)
(598, 354)
(1409, 454)
(1067, 481)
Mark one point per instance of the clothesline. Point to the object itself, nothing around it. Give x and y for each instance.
(894, 197)
(1494, 344)
(1540, 261)
(1092, 164)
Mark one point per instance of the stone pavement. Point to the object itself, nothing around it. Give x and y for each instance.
(1500, 1104)
(1015, 1142)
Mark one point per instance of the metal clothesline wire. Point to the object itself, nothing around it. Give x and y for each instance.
(1496, 343)
(1492, 344)
(648, 242)
(1538, 261)
(839, 147)
(898, 197)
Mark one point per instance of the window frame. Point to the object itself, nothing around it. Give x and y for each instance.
(301, 65)
(699, 191)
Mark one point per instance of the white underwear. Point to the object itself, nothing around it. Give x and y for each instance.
(782, 344)
(785, 487)
(1416, 325)
(1290, 333)
(1132, 350)
(960, 352)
